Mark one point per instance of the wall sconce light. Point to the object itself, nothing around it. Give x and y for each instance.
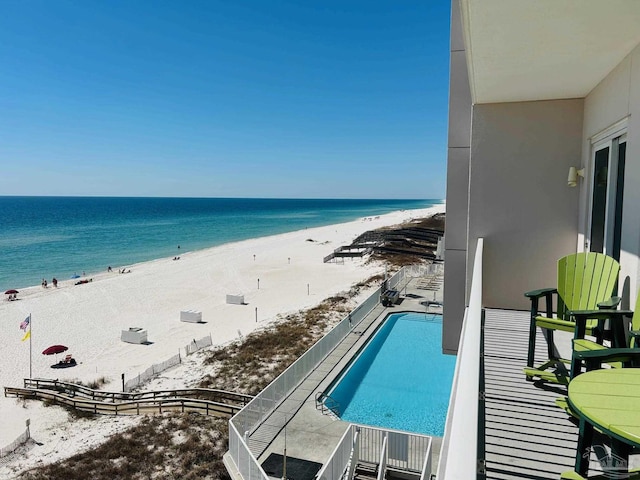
(574, 173)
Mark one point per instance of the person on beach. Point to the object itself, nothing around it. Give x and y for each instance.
(109, 269)
(44, 284)
(55, 282)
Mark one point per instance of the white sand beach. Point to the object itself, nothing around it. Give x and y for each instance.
(88, 319)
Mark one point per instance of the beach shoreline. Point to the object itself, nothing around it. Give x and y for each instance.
(96, 232)
(286, 275)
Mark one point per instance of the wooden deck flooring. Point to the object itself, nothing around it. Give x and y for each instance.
(526, 435)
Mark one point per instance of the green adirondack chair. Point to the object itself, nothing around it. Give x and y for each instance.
(586, 281)
(622, 339)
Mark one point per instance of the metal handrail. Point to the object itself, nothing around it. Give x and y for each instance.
(325, 401)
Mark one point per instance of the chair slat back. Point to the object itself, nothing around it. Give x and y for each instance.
(584, 280)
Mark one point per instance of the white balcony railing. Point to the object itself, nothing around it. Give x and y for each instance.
(336, 466)
(458, 455)
(403, 451)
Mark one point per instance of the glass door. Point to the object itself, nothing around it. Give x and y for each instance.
(607, 196)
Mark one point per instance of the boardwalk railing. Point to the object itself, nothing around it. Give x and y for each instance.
(157, 404)
(458, 455)
(349, 251)
(74, 389)
(266, 401)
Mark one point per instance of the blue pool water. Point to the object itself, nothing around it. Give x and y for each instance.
(401, 380)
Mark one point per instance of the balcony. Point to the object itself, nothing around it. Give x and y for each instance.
(513, 425)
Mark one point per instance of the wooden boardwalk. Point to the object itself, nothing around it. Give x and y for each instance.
(526, 435)
(209, 402)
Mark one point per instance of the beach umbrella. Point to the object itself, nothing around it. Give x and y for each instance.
(54, 349)
(11, 292)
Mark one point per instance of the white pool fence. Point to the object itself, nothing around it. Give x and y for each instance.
(253, 414)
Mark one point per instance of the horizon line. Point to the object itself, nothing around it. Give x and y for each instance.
(220, 198)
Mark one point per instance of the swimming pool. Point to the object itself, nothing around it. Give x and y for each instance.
(400, 380)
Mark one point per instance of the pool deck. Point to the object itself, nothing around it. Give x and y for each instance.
(310, 434)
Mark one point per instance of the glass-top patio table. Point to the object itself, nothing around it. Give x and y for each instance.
(608, 400)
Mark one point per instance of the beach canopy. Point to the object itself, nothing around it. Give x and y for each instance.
(54, 349)
(11, 292)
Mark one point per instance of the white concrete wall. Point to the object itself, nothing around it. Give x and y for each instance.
(617, 97)
(459, 142)
(519, 201)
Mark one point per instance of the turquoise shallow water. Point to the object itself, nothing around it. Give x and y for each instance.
(401, 380)
(46, 237)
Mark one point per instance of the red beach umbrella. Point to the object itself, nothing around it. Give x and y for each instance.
(11, 292)
(54, 349)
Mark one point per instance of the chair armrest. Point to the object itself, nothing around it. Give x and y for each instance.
(634, 335)
(600, 314)
(615, 316)
(612, 303)
(540, 293)
(595, 358)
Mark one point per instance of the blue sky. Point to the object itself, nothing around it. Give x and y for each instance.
(308, 98)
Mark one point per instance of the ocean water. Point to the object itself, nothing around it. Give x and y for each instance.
(46, 237)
